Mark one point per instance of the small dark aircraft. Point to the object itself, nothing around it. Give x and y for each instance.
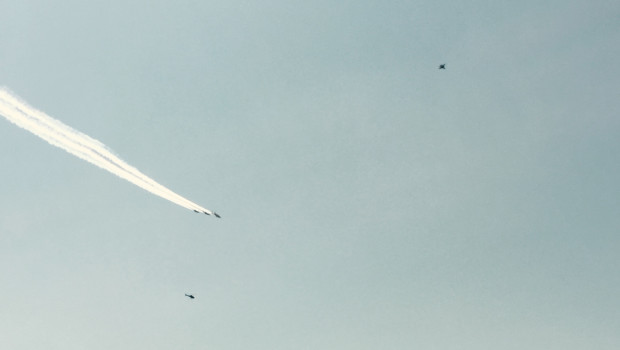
(206, 213)
(216, 215)
(442, 66)
(189, 296)
(195, 211)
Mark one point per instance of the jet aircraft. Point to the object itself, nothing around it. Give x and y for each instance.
(442, 66)
(189, 296)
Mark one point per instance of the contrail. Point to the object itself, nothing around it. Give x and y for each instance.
(84, 147)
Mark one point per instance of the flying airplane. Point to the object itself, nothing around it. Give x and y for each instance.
(206, 213)
(216, 215)
(189, 296)
(195, 211)
(442, 66)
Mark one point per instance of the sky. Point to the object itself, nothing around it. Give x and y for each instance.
(368, 199)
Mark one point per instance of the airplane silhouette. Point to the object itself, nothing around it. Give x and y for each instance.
(442, 66)
(189, 296)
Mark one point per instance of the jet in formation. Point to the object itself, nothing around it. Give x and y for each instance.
(189, 296)
(206, 213)
(442, 66)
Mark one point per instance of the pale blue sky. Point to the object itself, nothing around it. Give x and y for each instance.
(369, 200)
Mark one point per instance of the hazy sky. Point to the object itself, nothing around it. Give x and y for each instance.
(368, 199)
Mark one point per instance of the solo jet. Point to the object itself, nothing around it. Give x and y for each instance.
(442, 66)
(189, 296)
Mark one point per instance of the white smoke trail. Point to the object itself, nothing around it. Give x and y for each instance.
(84, 147)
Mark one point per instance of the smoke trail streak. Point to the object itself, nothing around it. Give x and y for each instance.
(83, 146)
